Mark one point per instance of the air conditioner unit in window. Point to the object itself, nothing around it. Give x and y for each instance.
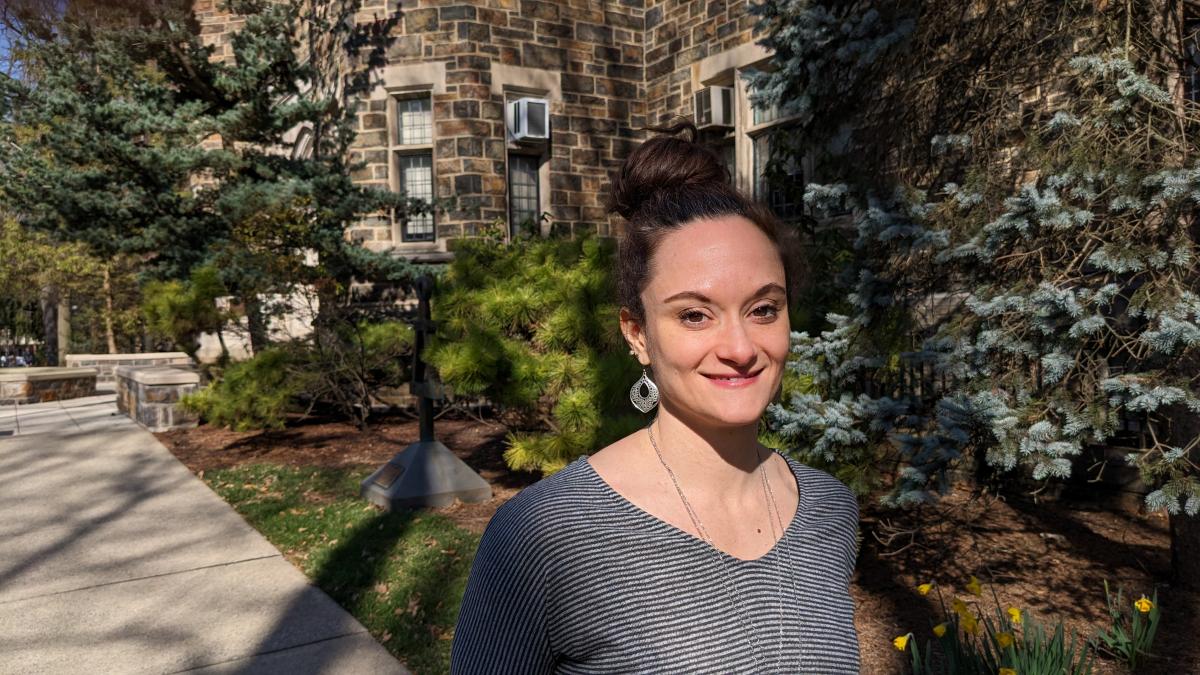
(714, 107)
(529, 119)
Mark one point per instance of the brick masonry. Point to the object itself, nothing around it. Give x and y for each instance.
(155, 405)
(59, 385)
(106, 364)
(619, 65)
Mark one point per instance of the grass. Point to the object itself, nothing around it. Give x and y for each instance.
(402, 574)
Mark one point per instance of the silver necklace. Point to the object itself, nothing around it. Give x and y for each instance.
(772, 509)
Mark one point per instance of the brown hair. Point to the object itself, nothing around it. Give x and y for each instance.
(665, 183)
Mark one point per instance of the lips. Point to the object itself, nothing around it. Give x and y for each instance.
(734, 379)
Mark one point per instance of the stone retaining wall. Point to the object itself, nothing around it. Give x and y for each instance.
(150, 396)
(106, 364)
(37, 385)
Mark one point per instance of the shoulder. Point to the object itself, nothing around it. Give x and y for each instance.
(824, 493)
(829, 513)
(544, 512)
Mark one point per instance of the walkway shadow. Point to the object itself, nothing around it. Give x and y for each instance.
(359, 575)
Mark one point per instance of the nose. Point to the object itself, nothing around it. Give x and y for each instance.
(734, 345)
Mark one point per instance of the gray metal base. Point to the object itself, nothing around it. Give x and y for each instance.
(424, 474)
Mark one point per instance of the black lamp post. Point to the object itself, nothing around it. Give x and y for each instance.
(425, 473)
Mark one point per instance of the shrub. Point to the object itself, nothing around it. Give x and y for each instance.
(183, 310)
(252, 394)
(339, 367)
(347, 363)
(532, 326)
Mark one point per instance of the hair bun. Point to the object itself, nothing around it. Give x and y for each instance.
(662, 164)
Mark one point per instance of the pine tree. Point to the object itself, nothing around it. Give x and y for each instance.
(129, 137)
(1037, 260)
(529, 325)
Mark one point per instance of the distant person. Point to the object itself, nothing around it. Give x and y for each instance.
(686, 546)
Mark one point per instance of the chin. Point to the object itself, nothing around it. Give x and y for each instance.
(735, 415)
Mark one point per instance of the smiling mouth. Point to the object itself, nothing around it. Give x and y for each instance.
(735, 378)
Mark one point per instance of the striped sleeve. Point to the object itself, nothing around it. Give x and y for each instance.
(502, 622)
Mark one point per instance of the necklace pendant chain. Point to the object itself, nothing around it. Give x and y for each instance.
(772, 509)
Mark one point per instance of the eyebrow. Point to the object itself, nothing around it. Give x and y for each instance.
(700, 297)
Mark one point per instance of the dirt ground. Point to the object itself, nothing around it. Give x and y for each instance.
(1051, 558)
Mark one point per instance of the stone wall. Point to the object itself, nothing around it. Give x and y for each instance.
(39, 385)
(150, 396)
(106, 364)
(679, 35)
(605, 68)
(594, 56)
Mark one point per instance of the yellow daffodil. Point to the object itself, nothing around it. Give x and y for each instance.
(901, 642)
(973, 586)
(939, 630)
(924, 589)
(1007, 671)
(970, 625)
(1143, 604)
(1015, 615)
(1005, 640)
(960, 608)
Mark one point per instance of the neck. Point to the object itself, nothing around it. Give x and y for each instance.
(717, 462)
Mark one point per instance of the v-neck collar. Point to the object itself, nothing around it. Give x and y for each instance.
(621, 502)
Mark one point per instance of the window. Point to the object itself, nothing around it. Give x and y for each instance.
(723, 146)
(416, 180)
(523, 194)
(412, 162)
(414, 122)
(778, 181)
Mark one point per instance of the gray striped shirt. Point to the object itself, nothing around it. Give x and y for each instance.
(571, 577)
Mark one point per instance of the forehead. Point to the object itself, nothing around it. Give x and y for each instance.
(719, 256)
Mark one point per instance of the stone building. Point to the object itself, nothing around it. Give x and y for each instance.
(457, 110)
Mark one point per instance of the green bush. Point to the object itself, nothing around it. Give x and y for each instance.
(339, 367)
(347, 363)
(183, 310)
(532, 326)
(252, 394)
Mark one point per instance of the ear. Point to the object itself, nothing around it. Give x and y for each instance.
(635, 335)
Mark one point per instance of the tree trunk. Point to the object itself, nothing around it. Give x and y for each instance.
(49, 306)
(257, 324)
(1185, 529)
(109, 335)
(1185, 550)
(224, 358)
(64, 330)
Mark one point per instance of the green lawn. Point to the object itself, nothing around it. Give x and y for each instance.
(401, 574)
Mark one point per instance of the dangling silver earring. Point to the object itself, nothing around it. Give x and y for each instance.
(647, 402)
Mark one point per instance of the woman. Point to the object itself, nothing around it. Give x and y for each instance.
(687, 546)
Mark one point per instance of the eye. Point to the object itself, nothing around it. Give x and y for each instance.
(692, 317)
(767, 311)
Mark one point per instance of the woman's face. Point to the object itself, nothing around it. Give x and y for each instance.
(716, 329)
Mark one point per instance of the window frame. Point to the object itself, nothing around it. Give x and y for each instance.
(397, 151)
(760, 132)
(537, 149)
(763, 191)
(536, 160)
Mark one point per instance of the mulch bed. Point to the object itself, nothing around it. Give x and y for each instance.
(1048, 558)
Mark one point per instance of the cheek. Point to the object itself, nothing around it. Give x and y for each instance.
(780, 343)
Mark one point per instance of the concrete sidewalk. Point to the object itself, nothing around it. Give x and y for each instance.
(114, 558)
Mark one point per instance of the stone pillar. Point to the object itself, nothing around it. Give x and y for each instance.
(63, 330)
